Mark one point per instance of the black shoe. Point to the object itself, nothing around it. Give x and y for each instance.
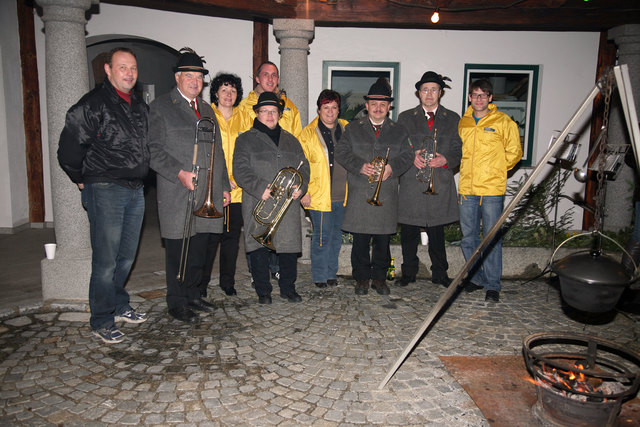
(471, 287)
(183, 314)
(405, 280)
(291, 296)
(276, 275)
(492, 296)
(201, 305)
(444, 281)
(230, 291)
(332, 282)
(321, 284)
(362, 287)
(381, 287)
(265, 299)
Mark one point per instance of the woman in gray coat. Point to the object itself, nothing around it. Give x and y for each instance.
(260, 154)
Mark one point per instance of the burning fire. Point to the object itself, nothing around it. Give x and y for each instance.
(574, 384)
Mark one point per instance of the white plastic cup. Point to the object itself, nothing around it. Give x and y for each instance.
(424, 239)
(50, 250)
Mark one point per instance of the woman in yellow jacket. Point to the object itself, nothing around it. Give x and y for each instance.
(226, 93)
(327, 188)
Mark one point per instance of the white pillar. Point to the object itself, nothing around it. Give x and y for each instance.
(66, 276)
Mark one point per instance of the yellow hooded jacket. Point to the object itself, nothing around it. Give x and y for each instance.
(290, 120)
(489, 149)
(238, 123)
(320, 178)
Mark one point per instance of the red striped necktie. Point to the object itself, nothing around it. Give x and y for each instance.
(195, 108)
(430, 117)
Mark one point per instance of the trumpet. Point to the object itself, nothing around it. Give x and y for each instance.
(207, 210)
(379, 164)
(270, 212)
(427, 174)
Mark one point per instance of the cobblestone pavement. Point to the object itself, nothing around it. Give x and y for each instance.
(314, 363)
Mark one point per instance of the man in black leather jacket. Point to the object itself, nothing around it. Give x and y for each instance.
(103, 148)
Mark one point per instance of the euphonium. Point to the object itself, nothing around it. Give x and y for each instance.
(207, 210)
(379, 164)
(270, 212)
(427, 174)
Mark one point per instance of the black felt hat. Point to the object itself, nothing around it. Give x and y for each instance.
(379, 91)
(431, 77)
(269, 98)
(190, 61)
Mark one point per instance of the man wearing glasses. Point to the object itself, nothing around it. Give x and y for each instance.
(427, 123)
(490, 147)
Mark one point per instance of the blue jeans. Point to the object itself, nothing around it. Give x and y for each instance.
(115, 218)
(473, 209)
(326, 242)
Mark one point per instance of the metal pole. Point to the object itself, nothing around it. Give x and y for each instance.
(489, 236)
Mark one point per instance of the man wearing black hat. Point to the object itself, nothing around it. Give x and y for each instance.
(427, 123)
(172, 125)
(260, 154)
(363, 140)
(103, 148)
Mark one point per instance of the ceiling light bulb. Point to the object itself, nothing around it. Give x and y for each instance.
(435, 17)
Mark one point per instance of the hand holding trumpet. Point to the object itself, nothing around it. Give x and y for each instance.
(368, 170)
(437, 162)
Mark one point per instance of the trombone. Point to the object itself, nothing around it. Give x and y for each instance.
(282, 187)
(207, 210)
(379, 164)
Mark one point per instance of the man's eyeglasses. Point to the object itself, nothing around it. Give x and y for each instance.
(432, 91)
(479, 96)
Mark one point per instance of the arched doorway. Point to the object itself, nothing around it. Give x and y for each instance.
(155, 62)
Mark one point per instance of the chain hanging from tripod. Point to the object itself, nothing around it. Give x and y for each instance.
(607, 83)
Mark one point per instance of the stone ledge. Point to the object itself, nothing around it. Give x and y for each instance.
(517, 262)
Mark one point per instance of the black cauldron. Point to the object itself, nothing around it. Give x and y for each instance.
(590, 280)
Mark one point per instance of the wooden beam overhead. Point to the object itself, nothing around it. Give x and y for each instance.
(537, 15)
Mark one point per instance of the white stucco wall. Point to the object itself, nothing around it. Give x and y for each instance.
(567, 59)
(14, 204)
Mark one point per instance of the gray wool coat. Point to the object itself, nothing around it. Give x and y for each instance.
(256, 162)
(172, 125)
(416, 208)
(359, 145)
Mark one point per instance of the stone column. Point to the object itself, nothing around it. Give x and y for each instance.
(294, 36)
(619, 198)
(67, 276)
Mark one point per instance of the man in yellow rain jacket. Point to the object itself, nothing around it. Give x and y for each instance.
(267, 79)
(490, 147)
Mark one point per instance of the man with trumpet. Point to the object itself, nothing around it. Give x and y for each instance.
(372, 204)
(266, 158)
(433, 131)
(177, 157)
